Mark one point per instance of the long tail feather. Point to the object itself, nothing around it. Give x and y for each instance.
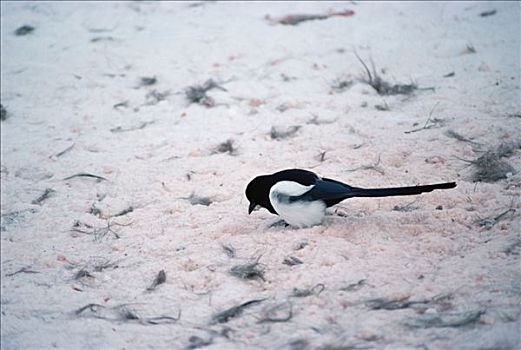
(398, 191)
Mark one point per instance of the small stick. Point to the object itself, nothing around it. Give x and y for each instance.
(22, 270)
(98, 178)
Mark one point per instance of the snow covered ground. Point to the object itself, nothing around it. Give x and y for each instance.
(102, 88)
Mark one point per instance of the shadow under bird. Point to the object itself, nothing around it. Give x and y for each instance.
(300, 197)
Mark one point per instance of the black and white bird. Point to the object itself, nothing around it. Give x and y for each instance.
(300, 197)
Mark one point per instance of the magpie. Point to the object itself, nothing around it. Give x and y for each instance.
(300, 197)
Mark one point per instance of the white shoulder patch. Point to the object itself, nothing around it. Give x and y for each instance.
(299, 213)
(290, 188)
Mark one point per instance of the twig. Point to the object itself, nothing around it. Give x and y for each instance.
(124, 212)
(459, 137)
(59, 154)
(226, 315)
(489, 222)
(22, 270)
(374, 167)
(98, 178)
(427, 122)
(354, 286)
(99, 232)
(45, 195)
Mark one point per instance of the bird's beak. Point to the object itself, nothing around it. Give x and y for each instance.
(251, 207)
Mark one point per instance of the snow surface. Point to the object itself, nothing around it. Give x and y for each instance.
(75, 103)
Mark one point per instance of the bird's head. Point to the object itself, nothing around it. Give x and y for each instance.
(258, 193)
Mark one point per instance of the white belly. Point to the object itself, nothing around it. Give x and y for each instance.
(300, 213)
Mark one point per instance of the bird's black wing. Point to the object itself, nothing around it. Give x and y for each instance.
(327, 190)
(303, 177)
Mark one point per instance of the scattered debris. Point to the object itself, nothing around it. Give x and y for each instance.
(197, 200)
(24, 30)
(435, 122)
(384, 107)
(291, 260)
(296, 19)
(282, 312)
(374, 167)
(160, 279)
(132, 128)
(45, 195)
(391, 304)
(514, 248)
(3, 113)
(306, 292)
(453, 134)
(514, 115)
(406, 208)
(439, 207)
(301, 244)
(124, 212)
(226, 315)
(301, 344)
(287, 78)
(82, 273)
(99, 232)
(89, 307)
(449, 75)
(61, 153)
(15, 216)
(22, 270)
(122, 313)
(459, 137)
(148, 81)
(468, 49)
(489, 167)
(123, 104)
(316, 121)
(228, 250)
(225, 147)
(341, 85)
(98, 178)
(101, 30)
(101, 38)
(95, 210)
(353, 286)
(154, 97)
(100, 264)
(283, 107)
(488, 13)
(248, 271)
(197, 93)
(489, 222)
(198, 342)
(201, 3)
(381, 86)
(321, 157)
(445, 320)
(277, 134)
